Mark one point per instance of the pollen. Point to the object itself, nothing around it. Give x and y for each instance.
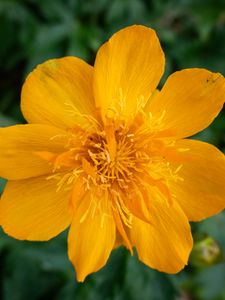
(118, 161)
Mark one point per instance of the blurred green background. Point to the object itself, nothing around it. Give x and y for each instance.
(192, 33)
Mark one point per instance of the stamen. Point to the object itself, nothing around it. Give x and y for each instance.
(112, 159)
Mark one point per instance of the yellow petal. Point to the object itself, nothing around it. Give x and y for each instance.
(92, 236)
(19, 143)
(189, 101)
(121, 236)
(137, 202)
(119, 241)
(166, 242)
(58, 92)
(127, 70)
(31, 209)
(201, 194)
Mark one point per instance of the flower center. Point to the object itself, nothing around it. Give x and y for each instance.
(117, 163)
(113, 157)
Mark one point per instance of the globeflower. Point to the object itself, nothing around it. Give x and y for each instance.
(105, 153)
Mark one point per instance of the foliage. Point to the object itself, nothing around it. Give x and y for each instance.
(192, 33)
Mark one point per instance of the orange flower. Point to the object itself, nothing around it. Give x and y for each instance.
(105, 152)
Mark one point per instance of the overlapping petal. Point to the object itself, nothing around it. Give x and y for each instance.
(31, 209)
(165, 243)
(189, 101)
(59, 92)
(127, 70)
(19, 144)
(91, 237)
(201, 193)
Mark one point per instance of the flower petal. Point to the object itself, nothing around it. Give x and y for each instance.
(58, 92)
(166, 242)
(31, 209)
(127, 70)
(201, 194)
(189, 101)
(19, 144)
(92, 236)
